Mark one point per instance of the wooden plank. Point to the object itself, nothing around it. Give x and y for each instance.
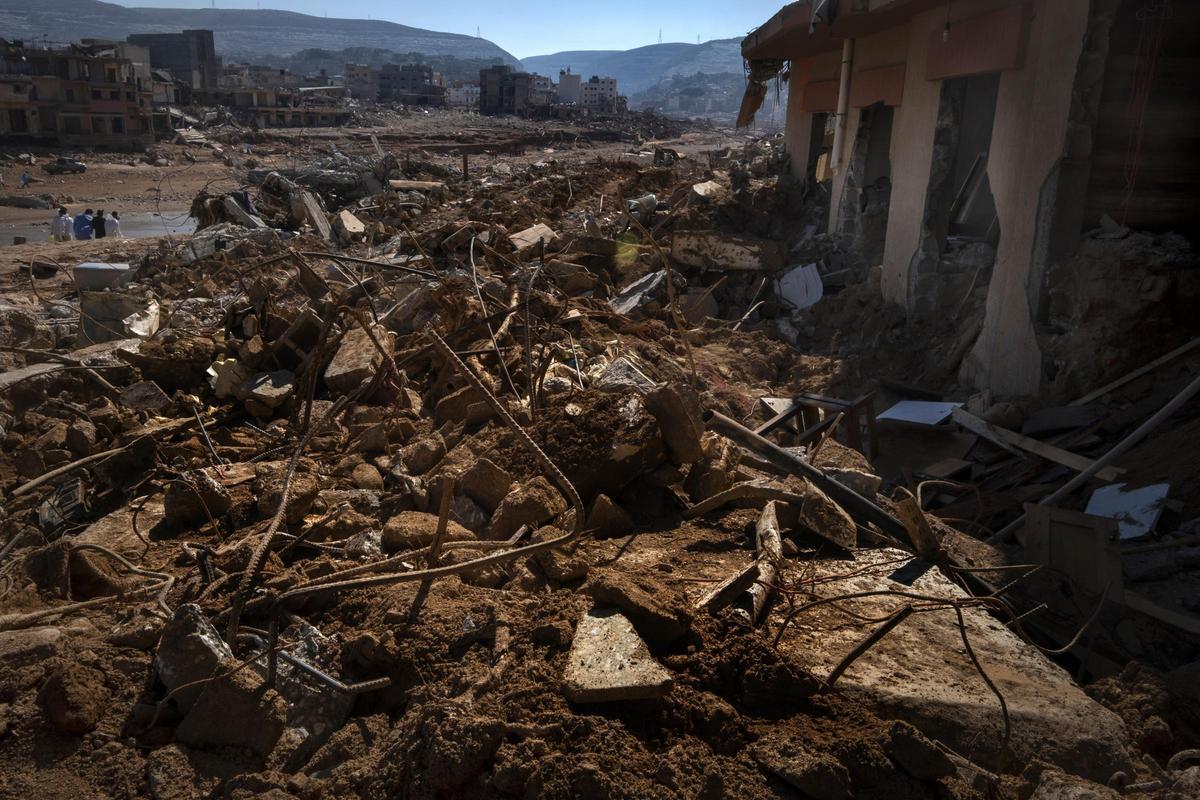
(1137, 373)
(1010, 441)
(416, 186)
(1181, 620)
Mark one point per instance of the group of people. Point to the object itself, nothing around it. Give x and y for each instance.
(86, 225)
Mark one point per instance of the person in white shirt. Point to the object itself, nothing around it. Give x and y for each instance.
(60, 228)
(113, 226)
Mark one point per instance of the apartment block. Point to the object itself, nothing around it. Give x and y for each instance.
(91, 93)
(189, 55)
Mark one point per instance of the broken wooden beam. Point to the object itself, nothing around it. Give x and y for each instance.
(1016, 442)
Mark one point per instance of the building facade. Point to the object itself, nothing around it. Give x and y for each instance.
(569, 86)
(190, 55)
(362, 81)
(502, 91)
(411, 84)
(87, 94)
(599, 93)
(1000, 121)
(463, 95)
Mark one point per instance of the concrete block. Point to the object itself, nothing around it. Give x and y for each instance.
(609, 661)
(723, 252)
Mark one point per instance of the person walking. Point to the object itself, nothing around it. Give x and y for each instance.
(83, 225)
(25, 179)
(60, 228)
(113, 226)
(98, 226)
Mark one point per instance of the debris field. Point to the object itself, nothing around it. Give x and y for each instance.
(449, 475)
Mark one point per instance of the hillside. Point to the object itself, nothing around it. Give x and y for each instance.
(240, 34)
(643, 67)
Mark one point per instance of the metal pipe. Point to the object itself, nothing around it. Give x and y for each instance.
(843, 105)
(1190, 391)
(859, 507)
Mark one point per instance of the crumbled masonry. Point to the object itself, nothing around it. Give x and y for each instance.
(518, 484)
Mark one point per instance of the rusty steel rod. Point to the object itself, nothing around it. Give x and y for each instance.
(859, 507)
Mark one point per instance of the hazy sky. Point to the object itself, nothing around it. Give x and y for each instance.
(540, 26)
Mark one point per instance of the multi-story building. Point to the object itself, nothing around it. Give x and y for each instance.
(463, 95)
(362, 81)
(411, 84)
(90, 94)
(189, 55)
(541, 90)
(254, 76)
(600, 93)
(502, 91)
(569, 86)
(306, 107)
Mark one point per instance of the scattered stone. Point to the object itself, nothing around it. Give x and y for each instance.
(485, 483)
(356, 360)
(348, 226)
(864, 483)
(524, 240)
(74, 697)
(25, 646)
(660, 614)
(424, 454)
(190, 650)
(235, 710)
(531, 503)
(610, 662)
(606, 519)
(915, 754)
(558, 564)
(410, 530)
(366, 476)
(677, 411)
(81, 438)
(817, 775)
(194, 498)
(270, 389)
(622, 376)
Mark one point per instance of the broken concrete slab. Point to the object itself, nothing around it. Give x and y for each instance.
(817, 775)
(920, 673)
(190, 651)
(610, 662)
(717, 251)
(240, 215)
(270, 389)
(528, 238)
(677, 411)
(621, 375)
(348, 226)
(235, 710)
(661, 614)
(304, 206)
(356, 360)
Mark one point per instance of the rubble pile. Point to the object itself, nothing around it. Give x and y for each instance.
(398, 479)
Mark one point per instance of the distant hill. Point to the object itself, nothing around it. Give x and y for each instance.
(239, 34)
(643, 67)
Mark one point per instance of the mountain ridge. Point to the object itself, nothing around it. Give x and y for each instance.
(236, 32)
(642, 67)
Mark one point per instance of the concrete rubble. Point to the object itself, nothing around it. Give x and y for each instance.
(417, 483)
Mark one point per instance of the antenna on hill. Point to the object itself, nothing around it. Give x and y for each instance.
(697, 38)
(659, 32)
(477, 36)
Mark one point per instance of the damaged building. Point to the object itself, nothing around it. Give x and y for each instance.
(971, 144)
(90, 93)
